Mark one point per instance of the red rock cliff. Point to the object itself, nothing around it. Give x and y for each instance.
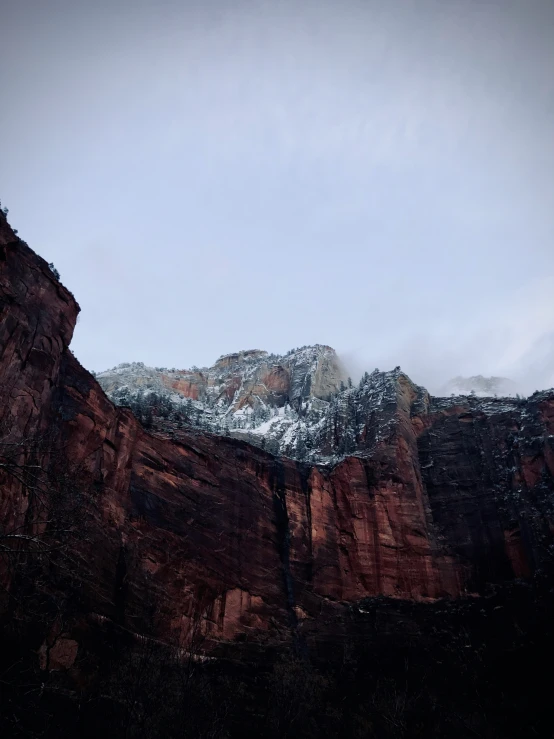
(257, 545)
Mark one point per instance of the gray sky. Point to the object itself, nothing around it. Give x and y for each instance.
(211, 176)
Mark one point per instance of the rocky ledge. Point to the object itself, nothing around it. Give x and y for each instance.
(422, 498)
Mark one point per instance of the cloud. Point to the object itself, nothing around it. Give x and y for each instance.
(374, 175)
(513, 338)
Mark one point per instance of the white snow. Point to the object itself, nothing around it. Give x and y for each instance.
(317, 429)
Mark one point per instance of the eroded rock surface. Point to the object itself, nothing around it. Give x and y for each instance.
(431, 497)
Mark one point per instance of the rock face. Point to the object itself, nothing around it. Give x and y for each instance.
(246, 380)
(428, 498)
(276, 401)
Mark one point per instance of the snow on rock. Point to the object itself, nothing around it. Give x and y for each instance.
(299, 404)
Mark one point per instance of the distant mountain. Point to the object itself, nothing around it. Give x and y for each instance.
(152, 578)
(242, 383)
(275, 401)
(482, 387)
(300, 404)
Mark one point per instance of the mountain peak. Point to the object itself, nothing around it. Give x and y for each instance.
(245, 355)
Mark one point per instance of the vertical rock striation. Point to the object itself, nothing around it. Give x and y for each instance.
(429, 498)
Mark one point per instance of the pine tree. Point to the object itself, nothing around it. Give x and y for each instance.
(147, 418)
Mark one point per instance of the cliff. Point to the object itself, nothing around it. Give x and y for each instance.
(278, 402)
(431, 498)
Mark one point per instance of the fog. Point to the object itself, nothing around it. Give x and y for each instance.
(209, 177)
(515, 340)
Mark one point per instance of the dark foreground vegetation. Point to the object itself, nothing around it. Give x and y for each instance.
(477, 668)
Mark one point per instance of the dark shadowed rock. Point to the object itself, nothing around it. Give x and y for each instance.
(427, 499)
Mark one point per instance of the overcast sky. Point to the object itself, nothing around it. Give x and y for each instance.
(213, 176)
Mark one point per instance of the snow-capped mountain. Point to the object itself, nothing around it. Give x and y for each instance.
(244, 381)
(267, 399)
(300, 404)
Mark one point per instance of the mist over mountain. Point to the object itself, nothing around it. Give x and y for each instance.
(304, 404)
(192, 552)
(483, 387)
(377, 178)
